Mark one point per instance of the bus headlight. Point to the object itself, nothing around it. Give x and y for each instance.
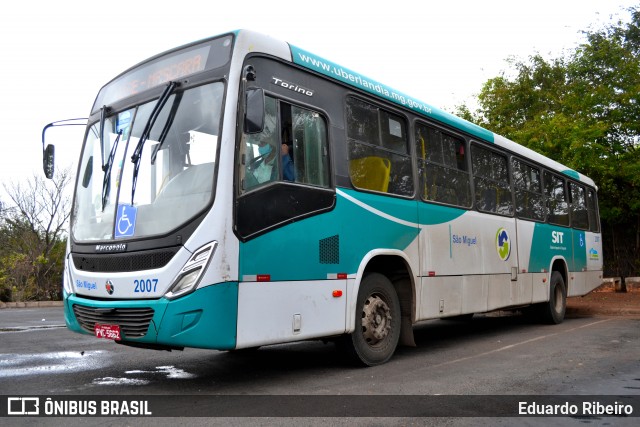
(187, 280)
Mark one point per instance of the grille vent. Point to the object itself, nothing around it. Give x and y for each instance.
(132, 261)
(133, 322)
(330, 250)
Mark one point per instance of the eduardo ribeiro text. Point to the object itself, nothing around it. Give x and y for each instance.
(588, 408)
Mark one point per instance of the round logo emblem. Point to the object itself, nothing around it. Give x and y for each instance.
(109, 287)
(503, 244)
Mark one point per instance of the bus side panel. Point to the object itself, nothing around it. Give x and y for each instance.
(540, 291)
(594, 251)
(535, 280)
(467, 258)
(466, 243)
(276, 312)
(523, 289)
(577, 277)
(453, 295)
(548, 242)
(297, 265)
(594, 273)
(587, 276)
(334, 242)
(442, 297)
(581, 251)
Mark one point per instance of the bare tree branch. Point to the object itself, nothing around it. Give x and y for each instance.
(33, 230)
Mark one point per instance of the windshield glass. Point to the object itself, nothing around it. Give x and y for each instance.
(175, 180)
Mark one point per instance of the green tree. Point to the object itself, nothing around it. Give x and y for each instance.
(32, 230)
(582, 110)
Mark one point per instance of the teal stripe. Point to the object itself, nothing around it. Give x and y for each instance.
(360, 223)
(571, 173)
(334, 242)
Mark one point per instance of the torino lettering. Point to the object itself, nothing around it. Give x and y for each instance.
(292, 86)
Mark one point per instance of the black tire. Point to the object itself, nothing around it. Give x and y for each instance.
(552, 312)
(378, 320)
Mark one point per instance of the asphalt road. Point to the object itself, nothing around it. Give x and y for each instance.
(490, 355)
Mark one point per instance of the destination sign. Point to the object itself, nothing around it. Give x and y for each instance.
(170, 67)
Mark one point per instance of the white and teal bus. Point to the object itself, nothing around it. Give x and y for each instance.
(239, 192)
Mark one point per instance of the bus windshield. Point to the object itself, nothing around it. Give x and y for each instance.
(175, 177)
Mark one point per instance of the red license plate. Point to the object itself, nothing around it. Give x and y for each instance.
(110, 332)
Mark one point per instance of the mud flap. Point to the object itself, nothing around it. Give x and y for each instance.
(406, 332)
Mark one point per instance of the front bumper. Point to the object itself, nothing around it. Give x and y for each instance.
(206, 318)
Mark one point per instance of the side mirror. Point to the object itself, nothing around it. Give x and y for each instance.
(48, 153)
(48, 161)
(254, 110)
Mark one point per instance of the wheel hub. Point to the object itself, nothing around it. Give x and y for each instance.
(376, 320)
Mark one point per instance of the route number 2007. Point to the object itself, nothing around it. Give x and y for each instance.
(148, 285)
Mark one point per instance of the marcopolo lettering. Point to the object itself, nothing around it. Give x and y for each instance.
(113, 247)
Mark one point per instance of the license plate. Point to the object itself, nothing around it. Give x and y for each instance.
(110, 332)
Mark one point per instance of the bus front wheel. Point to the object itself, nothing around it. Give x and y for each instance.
(377, 327)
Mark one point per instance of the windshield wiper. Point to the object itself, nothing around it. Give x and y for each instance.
(103, 115)
(106, 182)
(137, 153)
(167, 126)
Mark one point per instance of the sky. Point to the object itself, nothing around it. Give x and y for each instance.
(57, 55)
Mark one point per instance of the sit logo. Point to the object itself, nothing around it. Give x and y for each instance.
(557, 237)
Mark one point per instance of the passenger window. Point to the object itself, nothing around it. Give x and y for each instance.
(491, 181)
(579, 215)
(379, 158)
(260, 163)
(555, 193)
(292, 147)
(592, 211)
(527, 185)
(309, 146)
(442, 167)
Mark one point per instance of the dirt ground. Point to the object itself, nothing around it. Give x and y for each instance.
(605, 302)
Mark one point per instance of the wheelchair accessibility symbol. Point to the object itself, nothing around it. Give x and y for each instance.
(126, 221)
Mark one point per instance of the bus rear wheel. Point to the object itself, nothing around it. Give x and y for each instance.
(377, 327)
(552, 312)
